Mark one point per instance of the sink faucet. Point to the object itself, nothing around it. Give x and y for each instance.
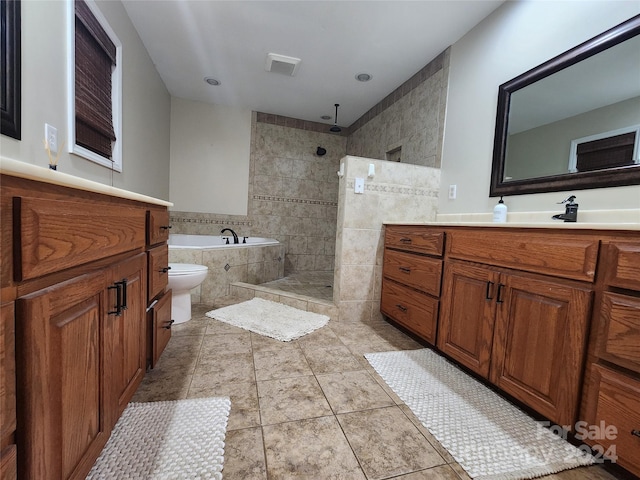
(571, 210)
(235, 235)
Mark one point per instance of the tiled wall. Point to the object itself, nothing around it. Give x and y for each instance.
(397, 193)
(409, 121)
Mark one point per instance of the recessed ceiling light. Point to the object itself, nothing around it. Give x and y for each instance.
(326, 117)
(363, 77)
(212, 81)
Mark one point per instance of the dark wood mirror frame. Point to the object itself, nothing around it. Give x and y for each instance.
(11, 100)
(612, 177)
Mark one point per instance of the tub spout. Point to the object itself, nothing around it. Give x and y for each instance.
(235, 235)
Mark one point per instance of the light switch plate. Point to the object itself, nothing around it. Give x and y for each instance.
(359, 185)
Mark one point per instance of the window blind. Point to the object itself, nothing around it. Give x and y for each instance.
(95, 57)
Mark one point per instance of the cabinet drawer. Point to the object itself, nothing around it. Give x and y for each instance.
(619, 335)
(161, 326)
(618, 404)
(415, 239)
(157, 226)
(52, 235)
(158, 271)
(9, 463)
(623, 260)
(422, 273)
(550, 253)
(417, 312)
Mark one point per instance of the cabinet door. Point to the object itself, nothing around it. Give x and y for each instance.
(60, 343)
(127, 332)
(468, 311)
(161, 326)
(539, 344)
(7, 392)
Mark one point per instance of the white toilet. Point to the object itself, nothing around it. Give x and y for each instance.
(183, 277)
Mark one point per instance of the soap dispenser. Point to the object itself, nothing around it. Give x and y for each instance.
(500, 212)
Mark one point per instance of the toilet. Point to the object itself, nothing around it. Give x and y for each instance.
(183, 277)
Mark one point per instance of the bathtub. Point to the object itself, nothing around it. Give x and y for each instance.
(258, 261)
(179, 240)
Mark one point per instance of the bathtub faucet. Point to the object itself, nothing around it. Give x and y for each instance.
(235, 235)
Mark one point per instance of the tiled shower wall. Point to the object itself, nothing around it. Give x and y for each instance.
(408, 125)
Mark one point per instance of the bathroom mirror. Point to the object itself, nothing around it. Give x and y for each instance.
(573, 122)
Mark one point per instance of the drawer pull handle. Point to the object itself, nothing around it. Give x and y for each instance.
(405, 240)
(118, 287)
(168, 325)
(123, 282)
(500, 299)
(635, 432)
(164, 270)
(404, 269)
(401, 307)
(165, 227)
(488, 294)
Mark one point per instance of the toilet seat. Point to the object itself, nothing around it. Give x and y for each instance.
(185, 269)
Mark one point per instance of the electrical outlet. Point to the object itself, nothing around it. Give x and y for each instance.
(51, 135)
(453, 191)
(358, 186)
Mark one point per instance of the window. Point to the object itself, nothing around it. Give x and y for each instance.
(96, 85)
(617, 148)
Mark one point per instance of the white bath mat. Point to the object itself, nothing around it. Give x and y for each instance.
(271, 319)
(182, 439)
(488, 436)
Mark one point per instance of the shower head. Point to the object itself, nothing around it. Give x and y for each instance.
(335, 127)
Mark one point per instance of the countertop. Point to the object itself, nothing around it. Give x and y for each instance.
(16, 168)
(623, 219)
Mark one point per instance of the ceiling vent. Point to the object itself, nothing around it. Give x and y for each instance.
(282, 64)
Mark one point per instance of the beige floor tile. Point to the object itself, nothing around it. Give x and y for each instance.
(245, 410)
(427, 434)
(313, 448)
(288, 399)
(261, 343)
(218, 369)
(321, 337)
(284, 363)
(387, 443)
(215, 327)
(162, 387)
(226, 343)
(443, 472)
(244, 455)
(353, 391)
(332, 359)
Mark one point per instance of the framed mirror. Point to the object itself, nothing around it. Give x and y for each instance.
(572, 123)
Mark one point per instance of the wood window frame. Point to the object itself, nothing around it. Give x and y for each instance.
(115, 162)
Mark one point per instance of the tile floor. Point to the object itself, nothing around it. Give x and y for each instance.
(312, 408)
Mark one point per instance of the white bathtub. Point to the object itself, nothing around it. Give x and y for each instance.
(202, 242)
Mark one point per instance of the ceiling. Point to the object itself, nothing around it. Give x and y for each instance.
(229, 40)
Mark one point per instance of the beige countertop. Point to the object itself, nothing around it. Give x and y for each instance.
(623, 219)
(16, 168)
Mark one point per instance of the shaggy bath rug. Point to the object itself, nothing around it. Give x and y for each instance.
(488, 436)
(182, 439)
(271, 319)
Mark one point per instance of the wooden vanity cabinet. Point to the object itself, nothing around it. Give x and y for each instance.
(517, 305)
(412, 271)
(612, 384)
(74, 285)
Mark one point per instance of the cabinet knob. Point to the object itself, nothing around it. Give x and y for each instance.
(165, 227)
(635, 433)
(405, 240)
(401, 307)
(404, 269)
(164, 270)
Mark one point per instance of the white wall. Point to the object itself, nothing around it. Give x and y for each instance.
(146, 102)
(515, 38)
(210, 153)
